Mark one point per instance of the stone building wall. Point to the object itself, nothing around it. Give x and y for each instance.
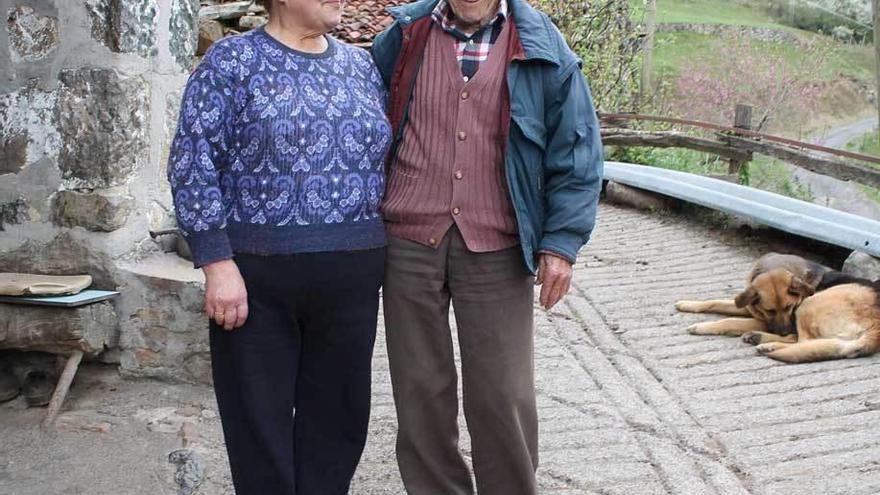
(88, 103)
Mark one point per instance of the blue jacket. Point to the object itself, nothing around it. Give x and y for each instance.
(553, 157)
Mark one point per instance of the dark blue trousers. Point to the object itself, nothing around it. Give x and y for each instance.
(293, 384)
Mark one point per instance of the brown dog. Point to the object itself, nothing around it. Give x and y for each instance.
(765, 310)
(840, 321)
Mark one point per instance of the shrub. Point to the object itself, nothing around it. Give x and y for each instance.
(602, 34)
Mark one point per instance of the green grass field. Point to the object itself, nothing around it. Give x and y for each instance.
(868, 144)
(872, 193)
(853, 60)
(673, 48)
(706, 12)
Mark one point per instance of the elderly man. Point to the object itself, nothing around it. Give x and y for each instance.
(494, 176)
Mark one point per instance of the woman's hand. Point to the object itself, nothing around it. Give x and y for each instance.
(225, 294)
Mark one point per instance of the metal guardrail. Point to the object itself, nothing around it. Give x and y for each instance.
(780, 212)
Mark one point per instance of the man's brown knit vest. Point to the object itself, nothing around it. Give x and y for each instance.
(450, 165)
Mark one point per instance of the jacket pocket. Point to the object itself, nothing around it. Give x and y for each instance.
(582, 151)
(532, 129)
(530, 143)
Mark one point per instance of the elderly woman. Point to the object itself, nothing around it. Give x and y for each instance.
(277, 174)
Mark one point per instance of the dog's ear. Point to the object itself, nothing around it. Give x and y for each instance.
(748, 296)
(801, 288)
(813, 278)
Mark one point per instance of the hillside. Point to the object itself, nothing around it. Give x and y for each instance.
(841, 73)
(710, 55)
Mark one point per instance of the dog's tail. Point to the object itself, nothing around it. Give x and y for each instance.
(834, 278)
(808, 351)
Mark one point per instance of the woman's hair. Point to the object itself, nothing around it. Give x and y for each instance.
(264, 3)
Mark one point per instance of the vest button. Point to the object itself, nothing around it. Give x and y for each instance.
(456, 211)
(459, 175)
(465, 95)
(462, 135)
(432, 241)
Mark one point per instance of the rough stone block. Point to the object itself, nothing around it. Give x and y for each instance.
(13, 153)
(15, 212)
(224, 11)
(198, 367)
(28, 128)
(32, 37)
(164, 333)
(209, 33)
(95, 211)
(125, 26)
(862, 265)
(184, 35)
(172, 113)
(104, 123)
(58, 330)
(250, 22)
(637, 198)
(63, 255)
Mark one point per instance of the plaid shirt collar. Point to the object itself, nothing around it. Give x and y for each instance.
(446, 19)
(470, 50)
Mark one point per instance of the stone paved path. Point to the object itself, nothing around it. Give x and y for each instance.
(632, 404)
(629, 402)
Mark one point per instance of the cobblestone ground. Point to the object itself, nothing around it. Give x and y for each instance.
(629, 402)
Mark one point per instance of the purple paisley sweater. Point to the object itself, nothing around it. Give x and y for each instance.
(279, 151)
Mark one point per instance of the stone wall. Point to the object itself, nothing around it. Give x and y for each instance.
(88, 105)
(766, 34)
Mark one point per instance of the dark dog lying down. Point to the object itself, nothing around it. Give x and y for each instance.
(797, 311)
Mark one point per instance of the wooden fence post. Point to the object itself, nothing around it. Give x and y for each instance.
(743, 120)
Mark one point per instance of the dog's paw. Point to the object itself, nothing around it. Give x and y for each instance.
(753, 338)
(688, 306)
(700, 329)
(767, 348)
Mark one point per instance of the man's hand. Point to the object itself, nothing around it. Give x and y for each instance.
(225, 294)
(554, 277)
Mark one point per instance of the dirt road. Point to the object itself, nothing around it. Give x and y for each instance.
(834, 193)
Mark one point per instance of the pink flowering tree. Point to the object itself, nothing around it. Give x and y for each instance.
(709, 85)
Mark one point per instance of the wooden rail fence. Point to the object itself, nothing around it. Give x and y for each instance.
(738, 144)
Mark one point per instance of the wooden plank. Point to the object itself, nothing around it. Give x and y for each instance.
(838, 170)
(62, 388)
(232, 10)
(72, 301)
(742, 120)
(670, 139)
(616, 119)
(58, 330)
